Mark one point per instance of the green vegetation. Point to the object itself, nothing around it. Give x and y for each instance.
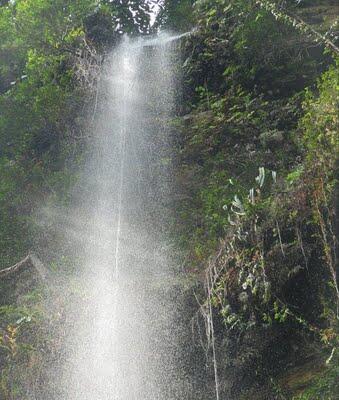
(255, 165)
(257, 154)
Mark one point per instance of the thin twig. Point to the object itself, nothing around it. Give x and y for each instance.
(29, 261)
(280, 241)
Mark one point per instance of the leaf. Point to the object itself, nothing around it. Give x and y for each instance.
(237, 203)
(230, 221)
(274, 176)
(251, 196)
(260, 179)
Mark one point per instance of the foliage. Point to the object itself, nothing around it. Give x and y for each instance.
(176, 15)
(255, 167)
(253, 104)
(325, 387)
(233, 44)
(320, 121)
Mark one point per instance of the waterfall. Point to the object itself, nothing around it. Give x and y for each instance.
(123, 343)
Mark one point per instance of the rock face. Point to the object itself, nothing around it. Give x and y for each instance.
(254, 202)
(251, 175)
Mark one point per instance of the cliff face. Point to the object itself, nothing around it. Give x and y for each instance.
(255, 168)
(255, 186)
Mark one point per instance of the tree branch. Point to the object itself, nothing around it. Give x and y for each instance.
(28, 262)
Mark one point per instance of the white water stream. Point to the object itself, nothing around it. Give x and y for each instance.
(123, 345)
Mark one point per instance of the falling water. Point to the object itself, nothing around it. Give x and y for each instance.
(123, 345)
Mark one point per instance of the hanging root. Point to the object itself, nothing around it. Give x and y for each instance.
(206, 312)
(210, 280)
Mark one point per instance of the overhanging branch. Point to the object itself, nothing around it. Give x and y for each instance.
(28, 262)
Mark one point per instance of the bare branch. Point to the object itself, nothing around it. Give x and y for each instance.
(28, 262)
